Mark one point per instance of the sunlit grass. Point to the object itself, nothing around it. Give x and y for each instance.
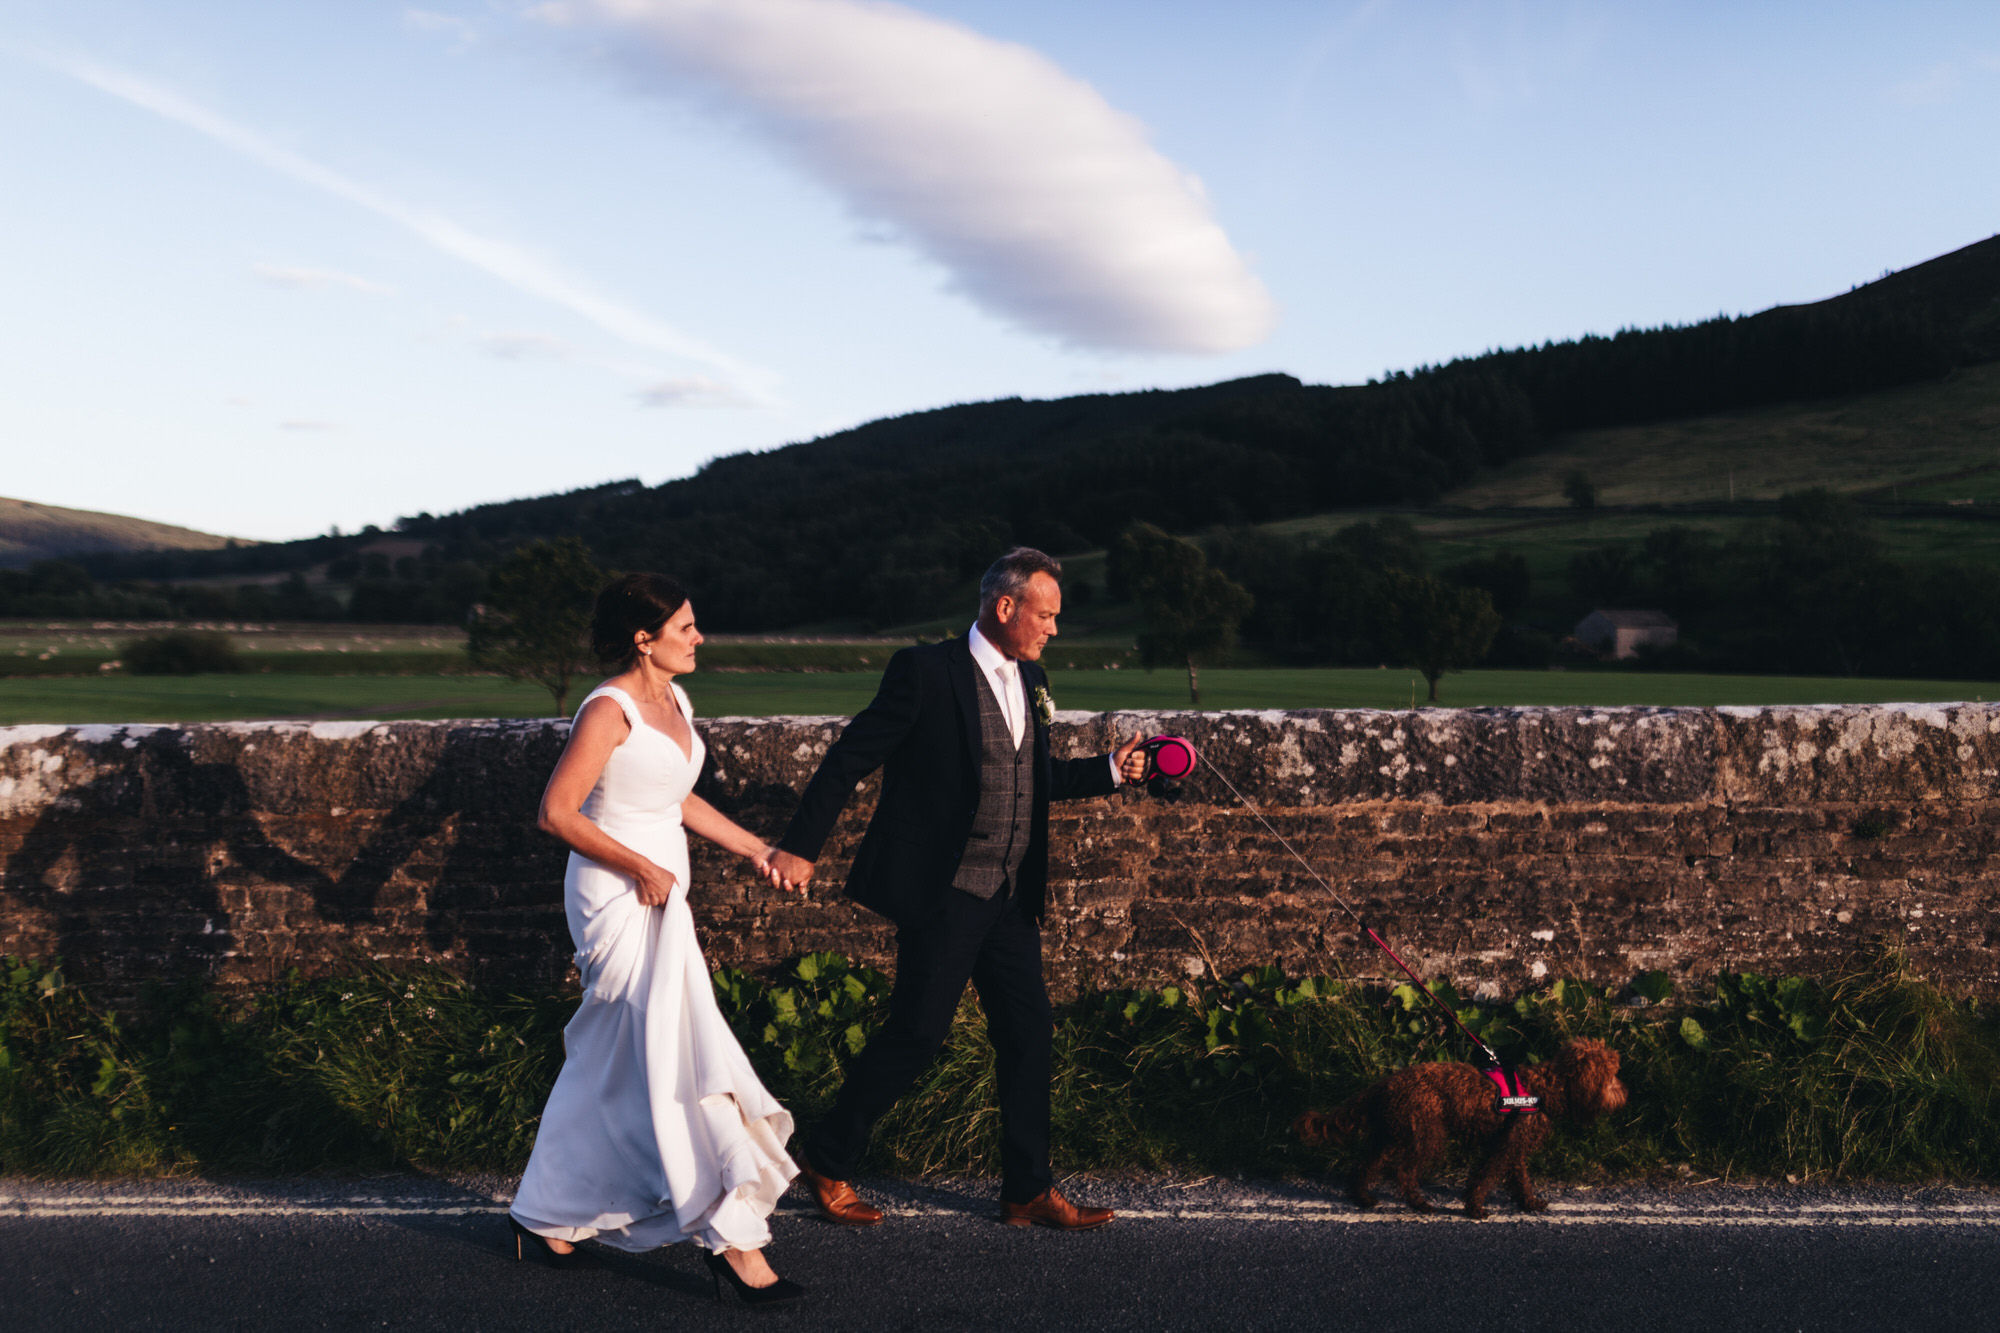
(251, 696)
(766, 694)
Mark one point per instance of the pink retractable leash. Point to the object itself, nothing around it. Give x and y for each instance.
(1170, 758)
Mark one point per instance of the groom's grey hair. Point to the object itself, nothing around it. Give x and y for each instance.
(1011, 574)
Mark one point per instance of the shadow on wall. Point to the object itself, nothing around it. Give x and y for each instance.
(459, 857)
(195, 856)
(127, 905)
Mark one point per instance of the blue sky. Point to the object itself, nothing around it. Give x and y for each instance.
(268, 268)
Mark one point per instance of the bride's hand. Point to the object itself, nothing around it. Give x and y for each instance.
(767, 866)
(653, 885)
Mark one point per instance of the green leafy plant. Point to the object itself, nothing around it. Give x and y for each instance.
(817, 1014)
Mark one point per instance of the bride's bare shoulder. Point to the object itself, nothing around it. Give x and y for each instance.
(602, 713)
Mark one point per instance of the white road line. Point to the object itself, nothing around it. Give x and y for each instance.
(1858, 1214)
(1559, 1216)
(1718, 1209)
(244, 1209)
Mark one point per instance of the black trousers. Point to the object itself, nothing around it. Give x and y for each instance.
(996, 946)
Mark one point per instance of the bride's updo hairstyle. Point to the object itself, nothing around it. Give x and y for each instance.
(633, 603)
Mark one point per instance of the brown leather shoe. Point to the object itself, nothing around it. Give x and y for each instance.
(1050, 1209)
(837, 1200)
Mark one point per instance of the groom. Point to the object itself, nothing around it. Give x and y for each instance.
(957, 857)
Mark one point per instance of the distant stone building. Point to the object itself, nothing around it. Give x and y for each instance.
(1621, 634)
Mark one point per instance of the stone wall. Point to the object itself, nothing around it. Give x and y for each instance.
(1494, 846)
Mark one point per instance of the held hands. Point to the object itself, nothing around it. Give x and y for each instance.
(1131, 764)
(785, 871)
(772, 879)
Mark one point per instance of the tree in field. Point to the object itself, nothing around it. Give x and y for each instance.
(1191, 610)
(1434, 626)
(1579, 490)
(537, 616)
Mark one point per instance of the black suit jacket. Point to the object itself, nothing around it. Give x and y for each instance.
(922, 731)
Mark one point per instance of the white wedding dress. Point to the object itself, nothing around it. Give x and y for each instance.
(657, 1130)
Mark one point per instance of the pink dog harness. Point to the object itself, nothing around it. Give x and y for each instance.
(1511, 1096)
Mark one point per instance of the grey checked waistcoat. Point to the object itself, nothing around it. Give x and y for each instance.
(1000, 829)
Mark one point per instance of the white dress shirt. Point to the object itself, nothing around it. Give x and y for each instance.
(1004, 674)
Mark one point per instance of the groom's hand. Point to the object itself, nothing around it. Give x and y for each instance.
(1131, 764)
(795, 871)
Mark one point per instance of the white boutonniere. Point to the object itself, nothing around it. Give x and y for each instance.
(1045, 707)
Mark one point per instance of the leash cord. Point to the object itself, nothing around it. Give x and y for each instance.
(1345, 906)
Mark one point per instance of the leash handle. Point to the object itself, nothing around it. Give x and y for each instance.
(1170, 757)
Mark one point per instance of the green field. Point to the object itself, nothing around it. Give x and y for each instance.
(101, 638)
(76, 648)
(120, 698)
(743, 694)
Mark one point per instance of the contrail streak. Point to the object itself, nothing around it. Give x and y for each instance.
(500, 259)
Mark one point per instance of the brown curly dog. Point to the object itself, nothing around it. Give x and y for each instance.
(1411, 1115)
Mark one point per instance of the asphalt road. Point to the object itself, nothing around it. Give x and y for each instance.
(403, 1252)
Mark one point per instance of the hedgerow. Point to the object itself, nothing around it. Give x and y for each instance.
(1872, 1073)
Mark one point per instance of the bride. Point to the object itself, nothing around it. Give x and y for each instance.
(657, 1130)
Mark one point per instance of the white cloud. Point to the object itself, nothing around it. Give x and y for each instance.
(691, 391)
(525, 346)
(1047, 205)
(510, 263)
(431, 20)
(1940, 81)
(1933, 85)
(300, 424)
(313, 279)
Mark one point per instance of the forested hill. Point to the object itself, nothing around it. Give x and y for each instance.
(886, 520)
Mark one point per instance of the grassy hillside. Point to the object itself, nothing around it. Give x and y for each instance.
(1926, 443)
(31, 532)
(1924, 462)
(882, 525)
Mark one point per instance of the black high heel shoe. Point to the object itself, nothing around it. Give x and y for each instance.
(524, 1240)
(719, 1267)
